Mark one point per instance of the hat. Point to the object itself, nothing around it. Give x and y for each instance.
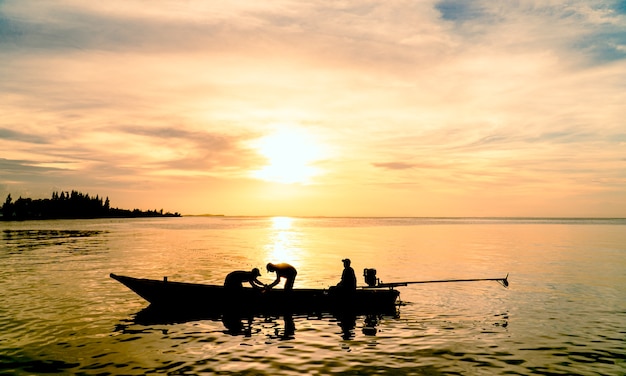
(256, 272)
(346, 260)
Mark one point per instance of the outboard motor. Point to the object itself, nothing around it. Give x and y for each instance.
(370, 277)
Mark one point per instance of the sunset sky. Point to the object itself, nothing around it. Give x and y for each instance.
(318, 108)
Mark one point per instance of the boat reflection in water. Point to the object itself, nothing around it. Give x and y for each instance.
(235, 325)
(239, 324)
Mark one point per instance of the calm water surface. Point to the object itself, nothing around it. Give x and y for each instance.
(563, 313)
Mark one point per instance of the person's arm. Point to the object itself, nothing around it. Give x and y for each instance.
(344, 278)
(257, 284)
(352, 278)
(275, 282)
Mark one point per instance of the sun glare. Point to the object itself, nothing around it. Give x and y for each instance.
(281, 223)
(290, 154)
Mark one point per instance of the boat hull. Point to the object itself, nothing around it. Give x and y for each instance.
(215, 298)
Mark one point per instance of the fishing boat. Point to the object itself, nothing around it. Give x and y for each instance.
(375, 297)
(215, 298)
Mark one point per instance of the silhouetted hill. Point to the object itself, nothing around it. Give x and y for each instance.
(70, 205)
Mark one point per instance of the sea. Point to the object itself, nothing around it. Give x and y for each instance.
(563, 312)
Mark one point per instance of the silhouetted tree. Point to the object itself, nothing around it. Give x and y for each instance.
(67, 205)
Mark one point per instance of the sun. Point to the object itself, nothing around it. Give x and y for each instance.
(290, 154)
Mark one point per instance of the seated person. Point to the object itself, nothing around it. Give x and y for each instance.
(348, 278)
(282, 271)
(234, 280)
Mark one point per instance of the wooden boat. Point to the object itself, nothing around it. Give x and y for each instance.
(195, 296)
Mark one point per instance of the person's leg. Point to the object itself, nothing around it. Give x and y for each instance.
(289, 284)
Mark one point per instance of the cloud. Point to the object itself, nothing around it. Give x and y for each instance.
(394, 165)
(9, 134)
(198, 152)
(20, 167)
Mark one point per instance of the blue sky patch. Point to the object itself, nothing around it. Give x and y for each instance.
(459, 10)
(605, 46)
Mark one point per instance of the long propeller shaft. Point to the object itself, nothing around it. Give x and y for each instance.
(503, 281)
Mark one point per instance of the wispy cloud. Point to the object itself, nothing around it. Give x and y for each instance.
(9, 134)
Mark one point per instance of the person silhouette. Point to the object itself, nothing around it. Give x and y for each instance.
(282, 270)
(348, 278)
(234, 280)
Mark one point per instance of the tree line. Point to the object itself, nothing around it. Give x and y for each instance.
(70, 205)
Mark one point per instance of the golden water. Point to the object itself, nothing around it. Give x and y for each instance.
(564, 312)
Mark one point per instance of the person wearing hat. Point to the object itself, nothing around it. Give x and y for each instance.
(282, 270)
(348, 278)
(234, 280)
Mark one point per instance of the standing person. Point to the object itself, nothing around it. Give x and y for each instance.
(348, 278)
(234, 280)
(282, 270)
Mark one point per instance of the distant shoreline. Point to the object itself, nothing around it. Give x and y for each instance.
(205, 215)
(74, 205)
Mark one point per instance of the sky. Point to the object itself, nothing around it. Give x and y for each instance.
(318, 108)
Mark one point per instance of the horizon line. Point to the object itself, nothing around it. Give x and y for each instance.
(392, 217)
